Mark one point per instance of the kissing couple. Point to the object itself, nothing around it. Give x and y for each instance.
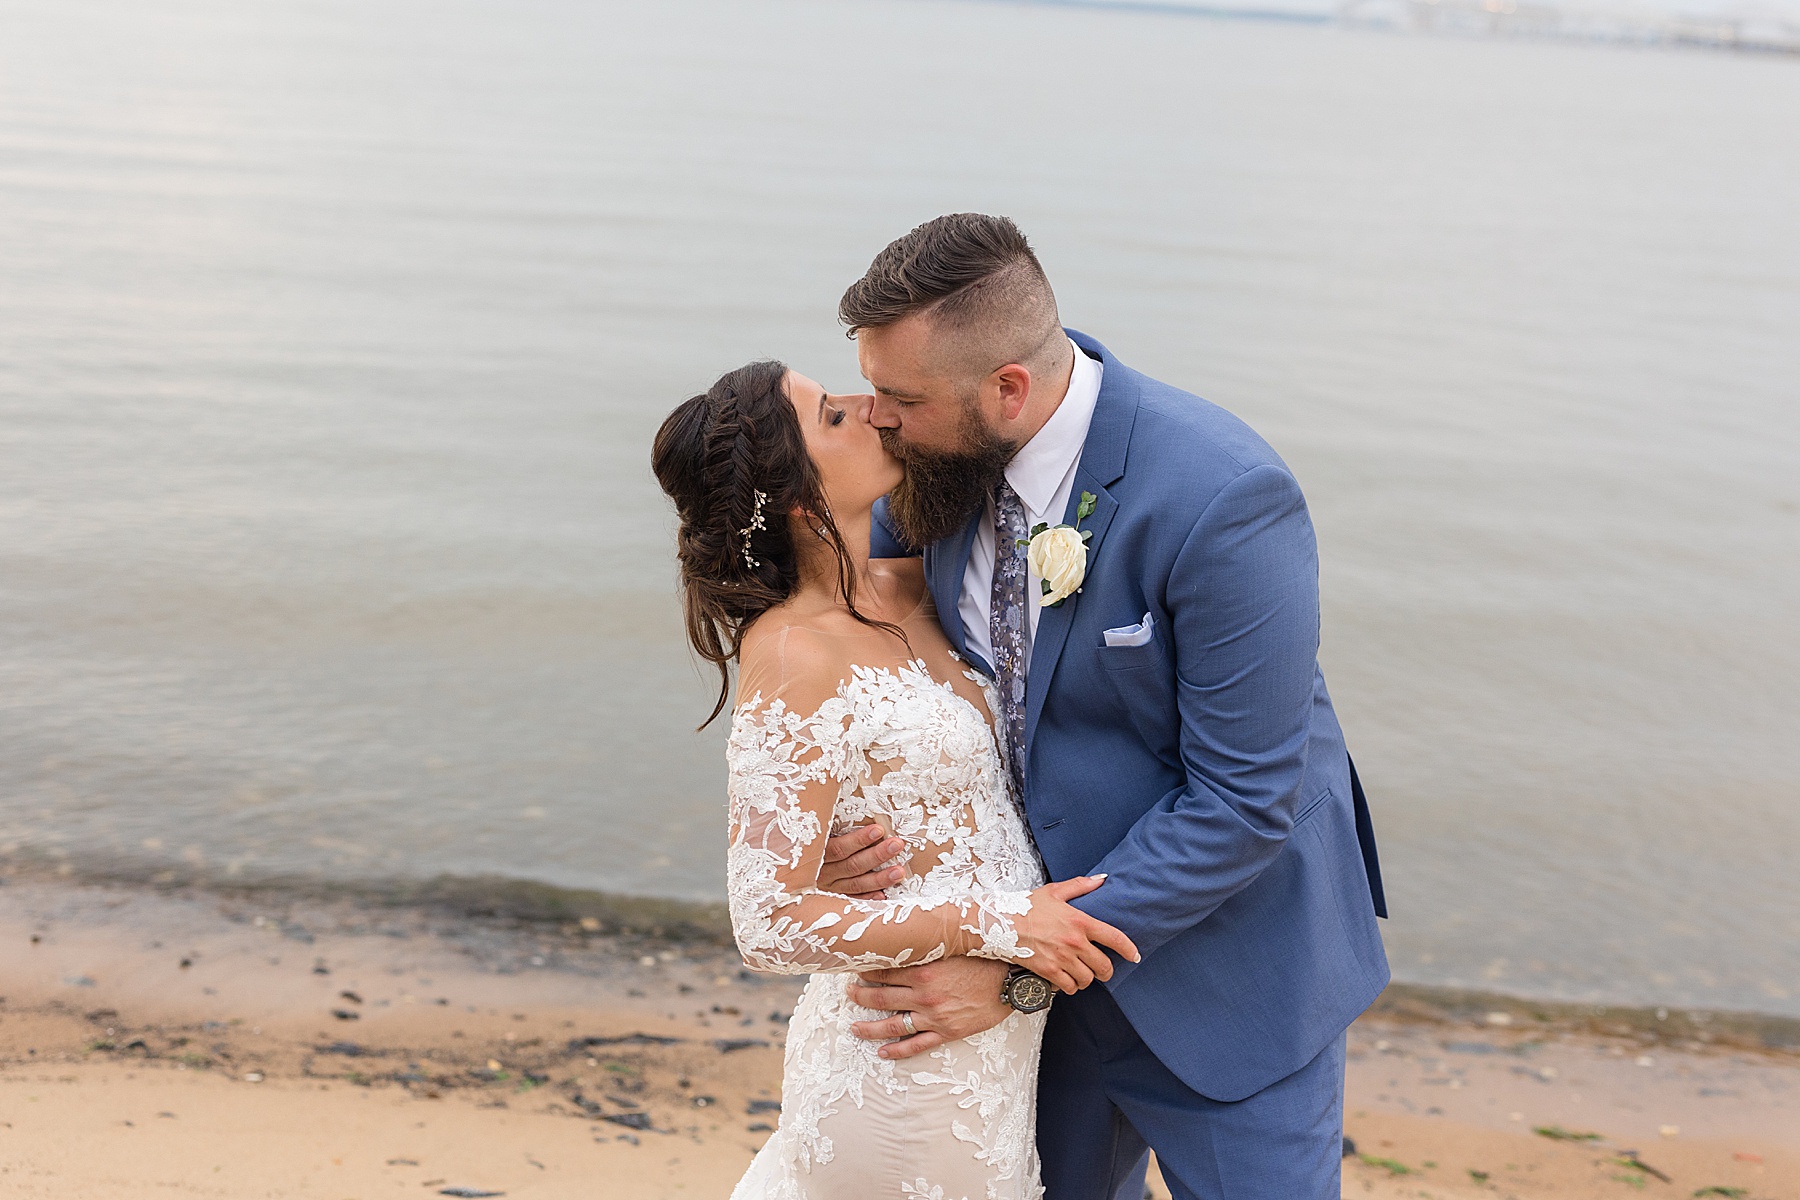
(1031, 764)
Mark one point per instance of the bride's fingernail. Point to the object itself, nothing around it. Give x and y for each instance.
(1100, 878)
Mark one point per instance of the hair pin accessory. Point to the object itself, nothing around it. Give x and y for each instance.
(749, 531)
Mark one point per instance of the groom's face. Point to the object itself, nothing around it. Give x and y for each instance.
(932, 418)
(921, 395)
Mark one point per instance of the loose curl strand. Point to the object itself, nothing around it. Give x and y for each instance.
(712, 456)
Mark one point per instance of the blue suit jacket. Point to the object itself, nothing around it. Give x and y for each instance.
(1203, 771)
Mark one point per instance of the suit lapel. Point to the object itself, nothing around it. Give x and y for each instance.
(945, 562)
(1102, 464)
(1053, 623)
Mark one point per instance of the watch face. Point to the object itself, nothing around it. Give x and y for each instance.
(1030, 993)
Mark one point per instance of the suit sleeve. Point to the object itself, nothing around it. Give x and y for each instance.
(1243, 599)
(885, 540)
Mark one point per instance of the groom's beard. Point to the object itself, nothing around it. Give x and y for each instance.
(943, 489)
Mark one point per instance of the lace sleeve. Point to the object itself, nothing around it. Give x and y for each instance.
(787, 771)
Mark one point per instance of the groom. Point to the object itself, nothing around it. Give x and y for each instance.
(1167, 725)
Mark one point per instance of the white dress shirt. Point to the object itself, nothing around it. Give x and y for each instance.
(1043, 474)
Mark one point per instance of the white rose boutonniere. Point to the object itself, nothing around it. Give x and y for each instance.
(1058, 554)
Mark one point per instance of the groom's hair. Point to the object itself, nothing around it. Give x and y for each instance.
(976, 279)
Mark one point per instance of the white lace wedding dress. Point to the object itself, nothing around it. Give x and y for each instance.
(913, 749)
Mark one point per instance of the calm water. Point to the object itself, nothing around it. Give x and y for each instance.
(332, 336)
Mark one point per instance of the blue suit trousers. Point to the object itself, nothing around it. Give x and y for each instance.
(1105, 1100)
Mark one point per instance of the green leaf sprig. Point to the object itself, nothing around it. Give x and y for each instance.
(1083, 511)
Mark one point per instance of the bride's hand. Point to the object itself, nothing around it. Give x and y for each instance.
(1065, 943)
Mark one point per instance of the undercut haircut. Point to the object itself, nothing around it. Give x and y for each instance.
(977, 280)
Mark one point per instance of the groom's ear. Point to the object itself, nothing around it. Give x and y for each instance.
(1012, 384)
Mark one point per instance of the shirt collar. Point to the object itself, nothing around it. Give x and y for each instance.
(1039, 468)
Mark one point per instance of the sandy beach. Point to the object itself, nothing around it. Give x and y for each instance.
(185, 1043)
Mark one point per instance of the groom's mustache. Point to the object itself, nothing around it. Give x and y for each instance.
(942, 489)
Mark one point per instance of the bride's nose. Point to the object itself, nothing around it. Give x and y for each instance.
(865, 408)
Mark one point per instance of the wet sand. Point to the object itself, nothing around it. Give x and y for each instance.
(186, 1043)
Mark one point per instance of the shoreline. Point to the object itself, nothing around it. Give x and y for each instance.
(328, 1045)
(502, 904)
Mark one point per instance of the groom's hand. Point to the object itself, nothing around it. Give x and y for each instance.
(860, 864)
(950, 999)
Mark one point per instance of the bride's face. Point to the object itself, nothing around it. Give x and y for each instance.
(854, 467)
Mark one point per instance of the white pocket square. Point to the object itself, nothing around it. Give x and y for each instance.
(1131, 635)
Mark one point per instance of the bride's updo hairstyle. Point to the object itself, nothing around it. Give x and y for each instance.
(714, 455)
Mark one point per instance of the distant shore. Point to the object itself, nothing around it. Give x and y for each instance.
(295, 1043)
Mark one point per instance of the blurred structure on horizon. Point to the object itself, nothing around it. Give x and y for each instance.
(1745, 27)
(1758, 26)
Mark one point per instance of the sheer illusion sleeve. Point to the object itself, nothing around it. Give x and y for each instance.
(799, 743)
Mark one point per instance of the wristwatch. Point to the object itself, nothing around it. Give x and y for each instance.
(1026, 992)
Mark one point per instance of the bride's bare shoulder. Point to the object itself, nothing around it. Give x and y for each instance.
(780, 653)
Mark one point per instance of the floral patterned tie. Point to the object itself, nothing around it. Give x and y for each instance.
(1006, 624)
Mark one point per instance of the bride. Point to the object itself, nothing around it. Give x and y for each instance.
(852, 708)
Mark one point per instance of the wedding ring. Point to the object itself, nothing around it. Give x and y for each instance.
(906, 1023)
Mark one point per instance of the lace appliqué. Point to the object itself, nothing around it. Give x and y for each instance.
(897, 746)
(987, 1081)
(938, 789)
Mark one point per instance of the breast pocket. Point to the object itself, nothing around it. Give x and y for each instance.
(1126, 658)
(1143, 680)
